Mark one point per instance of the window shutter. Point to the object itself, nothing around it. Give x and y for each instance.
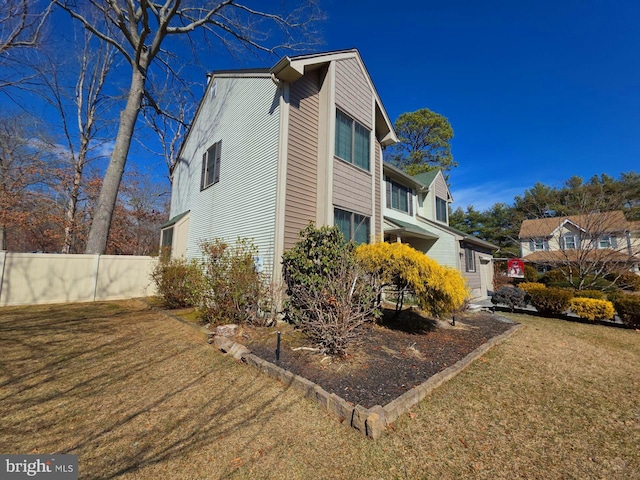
(216, 168)
(204, 170)
(532, 246)
(614, 242)
(388, 185)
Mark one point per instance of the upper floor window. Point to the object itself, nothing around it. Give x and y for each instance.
(441, 210)
(606, 241)
(352, 225)
(569, 241)
(352, 141)
(399, 197)
(211, 165)
(538, 244)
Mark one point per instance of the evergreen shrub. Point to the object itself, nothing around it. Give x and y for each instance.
(628, 308)
(511, 297)
(551, 301)
(592, 309)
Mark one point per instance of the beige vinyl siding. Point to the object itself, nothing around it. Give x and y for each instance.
(351, 188)
(378, 185)
(302, 158)
(244, 115)
(353, 92)
(440, 187)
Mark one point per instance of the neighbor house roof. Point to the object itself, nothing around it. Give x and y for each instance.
(597, 255)
(613, 221)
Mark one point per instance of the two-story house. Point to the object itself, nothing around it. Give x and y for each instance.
(416, 211)
(605, 238)
(271, 149)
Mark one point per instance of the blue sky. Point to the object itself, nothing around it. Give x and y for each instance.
(535, 92)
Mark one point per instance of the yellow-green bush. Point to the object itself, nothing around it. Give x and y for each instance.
(592, 308)
(439, 290)
(529, 286)
(597, 294)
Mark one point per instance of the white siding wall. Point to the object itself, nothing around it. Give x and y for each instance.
(244, 115)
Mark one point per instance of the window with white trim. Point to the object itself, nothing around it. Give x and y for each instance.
(353, 226)
(538, 244)
(211, 165)
(352, 141)
(605, 242)
(569, 241)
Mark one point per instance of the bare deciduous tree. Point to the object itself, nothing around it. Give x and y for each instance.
(154, 34)
(75, 90)
(21, 26)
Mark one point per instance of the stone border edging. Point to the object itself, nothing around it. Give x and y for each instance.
(370, 421)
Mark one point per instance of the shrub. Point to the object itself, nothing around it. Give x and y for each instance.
(628, 307)
(439, 290)
(528, 286)
(551, 301)
(178, 281)
(509, 296)
(331, 298)
(625, 280)
(232, 288)
(552, 276)
(530, 274)
(591, 308)
(597, 294)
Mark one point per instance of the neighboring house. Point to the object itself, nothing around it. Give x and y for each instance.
(271, 150)
(416, 211)
(605, 238)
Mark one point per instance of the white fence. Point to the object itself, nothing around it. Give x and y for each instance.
(37, 278)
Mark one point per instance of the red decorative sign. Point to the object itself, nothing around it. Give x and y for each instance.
(515, 268)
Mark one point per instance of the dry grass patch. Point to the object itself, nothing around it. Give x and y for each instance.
(138, 395)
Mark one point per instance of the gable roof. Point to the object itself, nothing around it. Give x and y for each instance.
(427, 178)
(614, 221)
(290, 69)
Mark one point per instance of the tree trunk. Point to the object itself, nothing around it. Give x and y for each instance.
(99, 233)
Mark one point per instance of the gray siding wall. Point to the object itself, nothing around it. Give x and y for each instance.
(353, 93)
(473, 278)
(302, 158)
(244, 115)
(351, 188)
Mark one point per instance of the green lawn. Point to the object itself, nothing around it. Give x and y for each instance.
(140, 395)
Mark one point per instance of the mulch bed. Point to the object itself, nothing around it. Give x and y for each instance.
(397, 354)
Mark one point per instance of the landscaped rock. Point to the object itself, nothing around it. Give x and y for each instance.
(229, 330)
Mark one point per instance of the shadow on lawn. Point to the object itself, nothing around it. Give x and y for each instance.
(124, 389)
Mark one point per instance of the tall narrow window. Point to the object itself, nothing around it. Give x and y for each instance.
(211, 165)
(441, 210)
(352, 142)
(470, 260)
(353, 226)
